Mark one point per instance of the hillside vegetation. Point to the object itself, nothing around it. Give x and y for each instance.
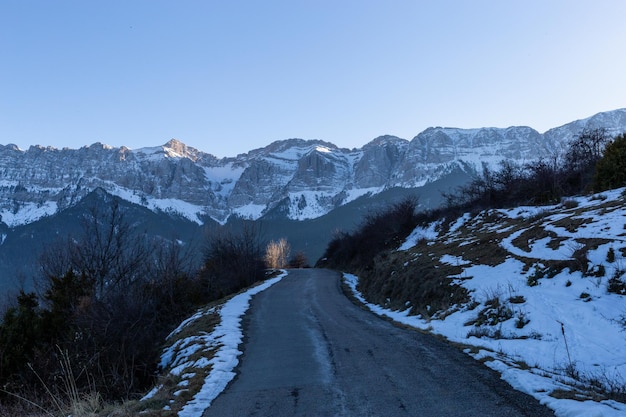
(529, 280)
(369, 251)
(536, 292)
(107, 298)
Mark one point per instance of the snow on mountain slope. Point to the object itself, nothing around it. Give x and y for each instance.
(611, 120)
(28, 213)
(308, 177)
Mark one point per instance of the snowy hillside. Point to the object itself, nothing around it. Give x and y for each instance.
(547, 297)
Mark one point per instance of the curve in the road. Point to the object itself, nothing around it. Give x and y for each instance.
(309, 351)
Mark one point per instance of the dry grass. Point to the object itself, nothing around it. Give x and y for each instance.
(577, 395)
(416, 278)
(486, 250)
(425, 285)
(531, 235)
(175, 391)
(21, 409)
(70, 399)
(572, 224)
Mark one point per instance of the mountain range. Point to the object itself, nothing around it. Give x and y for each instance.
(287, 181)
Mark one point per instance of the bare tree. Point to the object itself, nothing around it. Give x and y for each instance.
(277, 254)
(589, 145)
(583, 154)
(107, 250)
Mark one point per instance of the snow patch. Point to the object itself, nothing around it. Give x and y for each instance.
(355, 193)
(309, 204)
(250, 211)
(420, 233)
(228, 336)
(322, 149)
(543, 349)
(28, 213)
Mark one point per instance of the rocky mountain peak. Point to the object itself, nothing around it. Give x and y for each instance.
(290, 148)
(309, 177)
(612, 121)
(10, 147)
(173, 149)
(100, 146)
(177, 149)
(40, 149)
(386, 140)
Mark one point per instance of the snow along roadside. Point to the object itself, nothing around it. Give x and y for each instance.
(537, 384)
(226, 336)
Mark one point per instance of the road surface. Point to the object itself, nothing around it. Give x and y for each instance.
(309, 351)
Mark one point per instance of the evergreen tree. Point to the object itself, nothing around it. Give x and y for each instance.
(611, 168)
(20, 335)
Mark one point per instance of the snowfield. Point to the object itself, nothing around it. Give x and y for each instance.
(566, 331)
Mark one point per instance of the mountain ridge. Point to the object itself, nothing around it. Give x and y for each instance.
(310, 177)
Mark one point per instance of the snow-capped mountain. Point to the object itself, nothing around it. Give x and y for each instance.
(307, 177)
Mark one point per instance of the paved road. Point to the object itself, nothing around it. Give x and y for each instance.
(309, 351)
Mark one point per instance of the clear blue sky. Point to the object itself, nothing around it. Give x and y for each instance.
(230, 76)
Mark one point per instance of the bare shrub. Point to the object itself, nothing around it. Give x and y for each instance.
(569, 204)
(232, 261)
(521, 319)
(277, 254)
(380, 230)
(298, 260)
(617, 285)
(544, 181)
(107, 250)
(495, 312)
(581, 158)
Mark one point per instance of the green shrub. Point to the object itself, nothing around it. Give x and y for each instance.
(611, 168)
(533, 279)
(20, 337)
(521, 320)
(610, 255)
(616, 283)
(495, 312)
(597, 271)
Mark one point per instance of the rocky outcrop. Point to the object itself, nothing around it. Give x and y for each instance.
(379, 163)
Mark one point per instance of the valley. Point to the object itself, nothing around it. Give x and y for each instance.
(304, 190)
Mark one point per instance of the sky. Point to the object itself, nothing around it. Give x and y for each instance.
(227, 77)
